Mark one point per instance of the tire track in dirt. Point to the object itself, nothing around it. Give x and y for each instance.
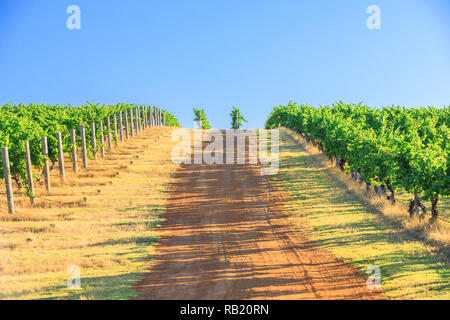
(226, 236)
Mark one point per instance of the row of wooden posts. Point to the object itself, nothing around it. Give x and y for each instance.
(144, 118)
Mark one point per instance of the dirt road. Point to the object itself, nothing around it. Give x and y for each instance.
(226, 236)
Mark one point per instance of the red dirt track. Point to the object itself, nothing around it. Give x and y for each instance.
(225, 236)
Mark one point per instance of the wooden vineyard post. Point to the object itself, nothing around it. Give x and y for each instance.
(144, 122)
(8, 184)
(121, 126)
(83, 146)
(93, 141)
(151, 116)
(62, 172)
(137, 123)
(46, 166)
(29, 172)
(109, 133)
(416, 204)
(141, 120)
(131, 122)
(102, 140)
(136, 120)
(159, 117)
(115, 127)
(136, 116)
(126, 124)
(73, 140)
(163, 120)
(144, 119)
(145, 116)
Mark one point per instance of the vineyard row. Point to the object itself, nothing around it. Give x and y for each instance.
(125, 123)
(393, 148)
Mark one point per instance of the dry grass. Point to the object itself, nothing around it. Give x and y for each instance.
(362, 228)
(104, 220)
(435, 234)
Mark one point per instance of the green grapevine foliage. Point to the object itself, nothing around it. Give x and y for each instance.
(201, 117)
(236, 118)
(396, 147)
(20, 123)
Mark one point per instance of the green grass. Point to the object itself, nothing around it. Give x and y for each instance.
(350, 230)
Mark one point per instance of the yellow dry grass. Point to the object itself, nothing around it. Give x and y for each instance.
(436, 234)
(362, 228)
(103, 220)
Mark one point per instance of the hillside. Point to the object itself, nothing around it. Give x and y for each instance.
(103, 220)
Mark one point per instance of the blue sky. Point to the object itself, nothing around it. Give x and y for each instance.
(254, 54)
